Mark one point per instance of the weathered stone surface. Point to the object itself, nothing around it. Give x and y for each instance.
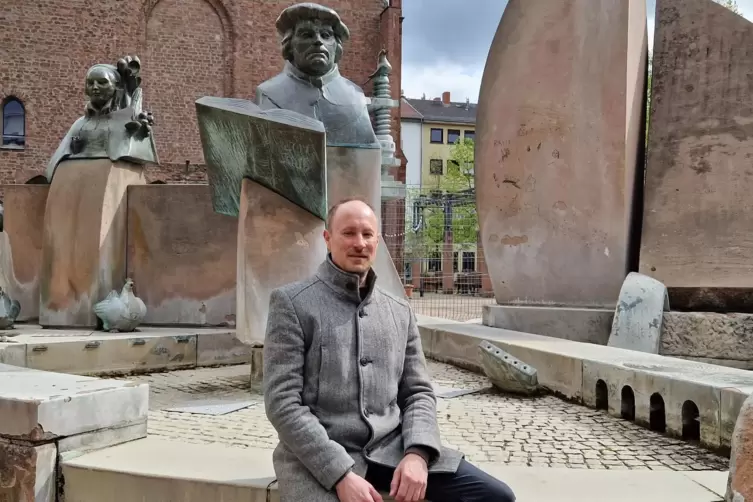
(21, 245)
(576, 324)
(84, 250)
(740, 481)
(40, 405)
(708, 335)
(182, 255)
(278, 243)
(697, 208)
(27, 473)
(638, 318)
(507, 372)
(559, 127)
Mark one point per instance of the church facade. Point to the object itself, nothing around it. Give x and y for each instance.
(188, 49)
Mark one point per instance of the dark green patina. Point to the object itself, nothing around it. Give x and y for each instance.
(280, 149)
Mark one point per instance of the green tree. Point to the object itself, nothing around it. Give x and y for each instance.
(454, 188)
(730, 4)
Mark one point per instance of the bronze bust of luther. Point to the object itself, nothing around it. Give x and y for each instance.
(113, 125)
(310, 83)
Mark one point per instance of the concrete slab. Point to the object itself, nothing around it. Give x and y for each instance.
(573, 369)
(89, 352)
(152, 470)
(587, 485)
(39, 405)
(577, 324)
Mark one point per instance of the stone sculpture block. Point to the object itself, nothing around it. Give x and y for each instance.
(21, 245)
(27, 472)
(740, 480)
(84, 250)
(182, 262)
(507, 372)
(279, 149)
(559, 130)
(638, 318)
(709, 337)
(698, 210)
(278, 242)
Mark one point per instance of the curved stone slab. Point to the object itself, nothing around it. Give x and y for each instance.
(638, 318)
(740, 480)
(558, 132)
(698, 210)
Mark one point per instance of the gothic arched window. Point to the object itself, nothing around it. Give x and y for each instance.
(14, 123)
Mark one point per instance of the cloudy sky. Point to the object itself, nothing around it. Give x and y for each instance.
(445, 43)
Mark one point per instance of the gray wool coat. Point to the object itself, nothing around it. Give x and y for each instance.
(345, 384)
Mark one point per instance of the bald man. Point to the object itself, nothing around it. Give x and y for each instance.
(346, 386)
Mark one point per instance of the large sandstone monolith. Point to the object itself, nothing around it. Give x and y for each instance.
(740, 480)
(698, 206)
(559, 133)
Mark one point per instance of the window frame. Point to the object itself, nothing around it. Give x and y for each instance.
(10, 145)
(441, 135)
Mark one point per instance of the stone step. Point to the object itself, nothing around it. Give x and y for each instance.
(88, 352)
(156, 470)
(589, 373)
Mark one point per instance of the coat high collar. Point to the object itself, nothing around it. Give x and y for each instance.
(346, 284)
(318, 82)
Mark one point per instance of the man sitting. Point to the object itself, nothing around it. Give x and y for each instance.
(347, 389)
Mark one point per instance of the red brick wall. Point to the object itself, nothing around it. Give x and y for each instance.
(188, 49)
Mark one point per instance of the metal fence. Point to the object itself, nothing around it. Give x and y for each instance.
(433, 237)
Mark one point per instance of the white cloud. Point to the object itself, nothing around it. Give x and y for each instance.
(462, 82)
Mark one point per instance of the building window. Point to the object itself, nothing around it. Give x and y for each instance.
(453, 135)
(436, 167)
(469, 261)
(471, 135)
(437, 135)
(14, 124)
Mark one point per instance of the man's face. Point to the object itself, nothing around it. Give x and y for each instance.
(314, 46)
(352, 237)
(100, 86)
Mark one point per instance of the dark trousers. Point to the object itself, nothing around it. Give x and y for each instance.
(468, 484)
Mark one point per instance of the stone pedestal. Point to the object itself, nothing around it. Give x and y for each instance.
(45, 416)
(182, 255)
(356, 172)
(559, 132)
(278, 243)
(84, 249)
(21, 245)
(698, 211)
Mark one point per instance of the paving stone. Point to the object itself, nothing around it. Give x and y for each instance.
(488, 426)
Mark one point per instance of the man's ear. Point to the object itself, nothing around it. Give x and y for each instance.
(326, 236)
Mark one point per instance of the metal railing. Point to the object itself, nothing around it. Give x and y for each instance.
(433, 238)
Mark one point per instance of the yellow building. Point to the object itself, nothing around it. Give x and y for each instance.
(442, 123)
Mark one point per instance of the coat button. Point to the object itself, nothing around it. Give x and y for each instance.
(361, 313)
(365, 412)
(364, 361)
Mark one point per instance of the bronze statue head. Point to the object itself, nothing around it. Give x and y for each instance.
(312, 37)
(102, 84)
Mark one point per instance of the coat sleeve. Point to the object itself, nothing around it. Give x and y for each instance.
(416, 398)
(297, 427)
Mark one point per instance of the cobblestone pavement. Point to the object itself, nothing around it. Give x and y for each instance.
(486, 425)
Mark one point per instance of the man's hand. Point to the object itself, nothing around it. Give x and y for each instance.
(353, 488)
(410, 478)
